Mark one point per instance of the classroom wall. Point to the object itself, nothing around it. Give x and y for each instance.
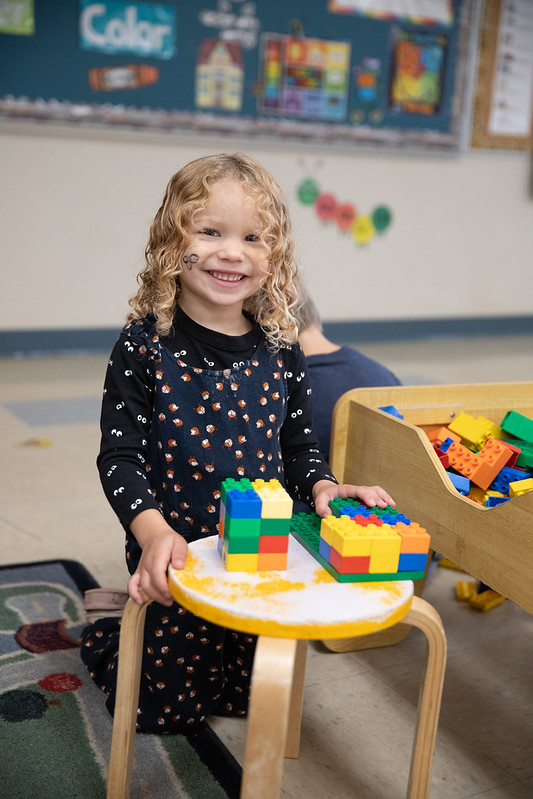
(77, 205)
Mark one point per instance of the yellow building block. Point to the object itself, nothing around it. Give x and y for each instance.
(386, 545)
(470, 430)
(519, 487)
(276, 502)
(348, 537)
(474, 432)
(240, 563)
(445, 563)
(465, 590)
(491, 429)
(486, 600)
(477, 493)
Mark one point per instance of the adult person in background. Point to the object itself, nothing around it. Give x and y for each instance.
(333, 370)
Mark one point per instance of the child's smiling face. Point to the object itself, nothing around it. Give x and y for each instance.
(225, 262)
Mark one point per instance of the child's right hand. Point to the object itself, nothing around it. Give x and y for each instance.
(161, 547)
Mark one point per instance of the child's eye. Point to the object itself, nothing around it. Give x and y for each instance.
(252, 237)
(209, 231)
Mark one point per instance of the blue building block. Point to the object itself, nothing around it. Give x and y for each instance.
(493, 501)
(324, 549)
(392, 410)
(462, 484)
(446, 444)
(412, 562)
(504, 477)
(243, 504)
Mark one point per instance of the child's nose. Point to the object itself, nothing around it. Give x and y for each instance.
(232, 250)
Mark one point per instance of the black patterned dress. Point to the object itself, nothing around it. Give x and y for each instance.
(170, 434)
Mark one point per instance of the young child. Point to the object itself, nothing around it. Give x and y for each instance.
(207, 381)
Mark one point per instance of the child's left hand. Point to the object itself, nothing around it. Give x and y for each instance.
(325, 490)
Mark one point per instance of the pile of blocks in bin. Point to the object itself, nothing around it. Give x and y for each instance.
(355, 543)
(487, 462)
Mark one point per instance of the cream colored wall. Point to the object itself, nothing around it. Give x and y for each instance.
(77, 207)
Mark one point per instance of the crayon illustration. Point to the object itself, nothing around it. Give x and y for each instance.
(130, 76)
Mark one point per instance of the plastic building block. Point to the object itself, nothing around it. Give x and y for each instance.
(391, 410)
(515, 453)
(519, 487)
(275, 502)
(506, 476)
(440, 434)
(482, 467)
(486, 600)
(366, 544)
(493, 502)
(254, 525)
(442, 456)
(462, 484)
(518, 425)
(270, 561)
(465, 590)
(470, 430)
(445, 563)
(243, 504)
(446, 444)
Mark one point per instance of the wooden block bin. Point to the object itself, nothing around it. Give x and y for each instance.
(370, 446)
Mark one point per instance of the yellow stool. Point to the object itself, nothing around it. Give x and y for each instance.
(285, 609)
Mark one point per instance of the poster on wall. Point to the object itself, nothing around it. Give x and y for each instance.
(346, 71)
(503, 104)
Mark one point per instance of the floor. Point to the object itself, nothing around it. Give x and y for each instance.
(359, 706)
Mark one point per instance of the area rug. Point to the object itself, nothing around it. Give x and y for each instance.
(55, 733)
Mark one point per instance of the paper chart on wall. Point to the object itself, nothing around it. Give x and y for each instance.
(503, 106)
(512, 88)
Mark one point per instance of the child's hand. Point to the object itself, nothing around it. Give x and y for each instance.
(325, 490)
(161, 547)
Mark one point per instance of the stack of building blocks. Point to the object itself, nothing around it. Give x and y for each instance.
(254, 525)
(361, 544)
(487, 462)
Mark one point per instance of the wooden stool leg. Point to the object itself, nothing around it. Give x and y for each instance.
(426, 618)
(127, 700)
(297, 694)
(268, 717)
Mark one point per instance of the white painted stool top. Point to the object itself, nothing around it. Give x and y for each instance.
(304, 601)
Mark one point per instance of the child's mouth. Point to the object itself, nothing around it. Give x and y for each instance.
(228, 277)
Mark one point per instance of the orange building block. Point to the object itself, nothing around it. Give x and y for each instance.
(268, 561)
(440, 434)
(481, 467)
(415, 539)
(493, 458)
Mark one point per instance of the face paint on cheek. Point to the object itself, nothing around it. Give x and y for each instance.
(191, 259)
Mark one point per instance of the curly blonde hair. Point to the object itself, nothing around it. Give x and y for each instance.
(274, 305)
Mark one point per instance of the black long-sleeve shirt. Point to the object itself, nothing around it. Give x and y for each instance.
(127, 410)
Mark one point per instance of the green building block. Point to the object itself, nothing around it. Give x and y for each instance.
(275, 526)
(518, 425)
(242, 527)
(230, 483)
(242, 544)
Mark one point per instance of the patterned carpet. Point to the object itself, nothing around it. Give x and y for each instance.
(55, 733)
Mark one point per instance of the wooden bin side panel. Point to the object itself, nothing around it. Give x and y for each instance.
(495, 545)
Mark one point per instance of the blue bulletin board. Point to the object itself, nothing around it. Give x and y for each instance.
(352, 71)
